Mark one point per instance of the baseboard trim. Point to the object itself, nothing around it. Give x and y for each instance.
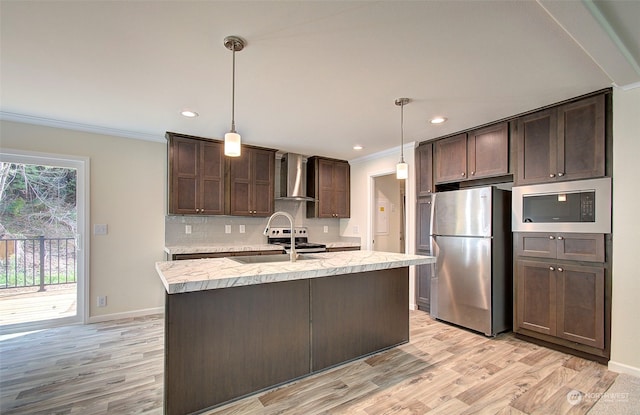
(622, 368)
(126, 314)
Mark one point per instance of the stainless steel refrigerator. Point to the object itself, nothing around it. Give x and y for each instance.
(471, 238)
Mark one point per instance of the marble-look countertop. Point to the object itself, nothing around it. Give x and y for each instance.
(219, 248)
(222, 248)
(209, 274)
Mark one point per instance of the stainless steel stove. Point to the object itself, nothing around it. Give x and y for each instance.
(282, 237)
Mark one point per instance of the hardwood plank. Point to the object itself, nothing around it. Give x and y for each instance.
(117, 367)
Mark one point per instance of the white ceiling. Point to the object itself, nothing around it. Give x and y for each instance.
(315, 77)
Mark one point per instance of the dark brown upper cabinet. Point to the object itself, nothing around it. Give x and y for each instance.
(251, 182)
(562, 143)
(424, 173)
(329, 183)
(474, 155)
(196, 175)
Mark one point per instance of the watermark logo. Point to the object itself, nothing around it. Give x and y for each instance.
(574, 397)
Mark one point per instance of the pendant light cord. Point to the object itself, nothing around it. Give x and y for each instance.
(233, 93)
(401, 132)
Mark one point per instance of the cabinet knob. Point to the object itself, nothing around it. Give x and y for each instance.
(462, 174)
(560, 238)
(552, 175)
(552, 269)
(428, 190)
(473, 173)
(560, 269)
(560, 174)
(552, 237)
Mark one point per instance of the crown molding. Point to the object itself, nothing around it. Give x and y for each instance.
(393, 151)
(69, 125)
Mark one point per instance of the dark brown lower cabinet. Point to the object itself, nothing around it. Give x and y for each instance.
(562, 303)
(227, 343)
(423, 284)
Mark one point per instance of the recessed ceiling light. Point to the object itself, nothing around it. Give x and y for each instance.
(189, 113)
(438, 120)
(358, 147)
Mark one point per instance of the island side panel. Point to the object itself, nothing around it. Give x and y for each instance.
(225, 343)
(357, 314)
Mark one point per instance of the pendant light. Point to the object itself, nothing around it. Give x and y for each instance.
(402, 168)
(232, 138)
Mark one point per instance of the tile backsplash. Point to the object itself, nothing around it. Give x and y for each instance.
(211, 229)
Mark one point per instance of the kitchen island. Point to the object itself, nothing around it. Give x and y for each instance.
(234, 328)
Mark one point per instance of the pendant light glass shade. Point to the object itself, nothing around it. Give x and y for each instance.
(232, 144)
(232, 140)
(402, 168)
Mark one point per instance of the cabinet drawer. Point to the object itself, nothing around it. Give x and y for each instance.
(535, 244)
(588, 247)
(581, 246)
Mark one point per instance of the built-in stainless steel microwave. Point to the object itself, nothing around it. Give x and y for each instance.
(576, 206)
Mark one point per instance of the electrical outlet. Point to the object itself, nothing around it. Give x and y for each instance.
(326, 229)
(99, 229)
(227, 228)
(356, 229)
(102, 301)
(187, 229)
(242, 229)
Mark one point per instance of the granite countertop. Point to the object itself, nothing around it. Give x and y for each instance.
(214, 273)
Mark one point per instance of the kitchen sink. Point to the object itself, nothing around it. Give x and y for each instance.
(262, 259)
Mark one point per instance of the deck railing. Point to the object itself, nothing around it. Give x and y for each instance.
(37, 262)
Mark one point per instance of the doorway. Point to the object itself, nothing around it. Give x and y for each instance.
(43, 205)
(388, 214)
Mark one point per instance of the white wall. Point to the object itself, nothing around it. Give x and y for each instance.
(625, 327)
(360, 223)
(128, 182)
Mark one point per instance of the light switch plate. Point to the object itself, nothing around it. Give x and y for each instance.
(227, 228)
(241, 228)
(99, 229)
(187, 229)
(326, 229)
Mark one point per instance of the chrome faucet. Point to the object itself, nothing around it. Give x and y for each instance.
(292, 252)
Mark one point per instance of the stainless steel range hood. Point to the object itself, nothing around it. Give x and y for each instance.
(293, 178)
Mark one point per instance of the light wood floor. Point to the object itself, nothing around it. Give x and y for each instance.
(21, 305)
(116, 367)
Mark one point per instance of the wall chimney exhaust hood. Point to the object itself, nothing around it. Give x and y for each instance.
(293, 178)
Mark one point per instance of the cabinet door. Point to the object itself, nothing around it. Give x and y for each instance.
(183, 171)
(536, 296)
(240, 184)
(423, 285)
(537, 147)
(212, 178)
(581, 304)
(326, 207)
(451, 159)
(341, 190)
(263, 177)
(581, 246)
(488, 151)
(424, 173)
(581, 139)
(423, 238)
(536, 244)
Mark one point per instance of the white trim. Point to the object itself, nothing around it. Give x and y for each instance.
(70, 125)
(126, 314)
(83, 168)
(622, 368)
(629, 87)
